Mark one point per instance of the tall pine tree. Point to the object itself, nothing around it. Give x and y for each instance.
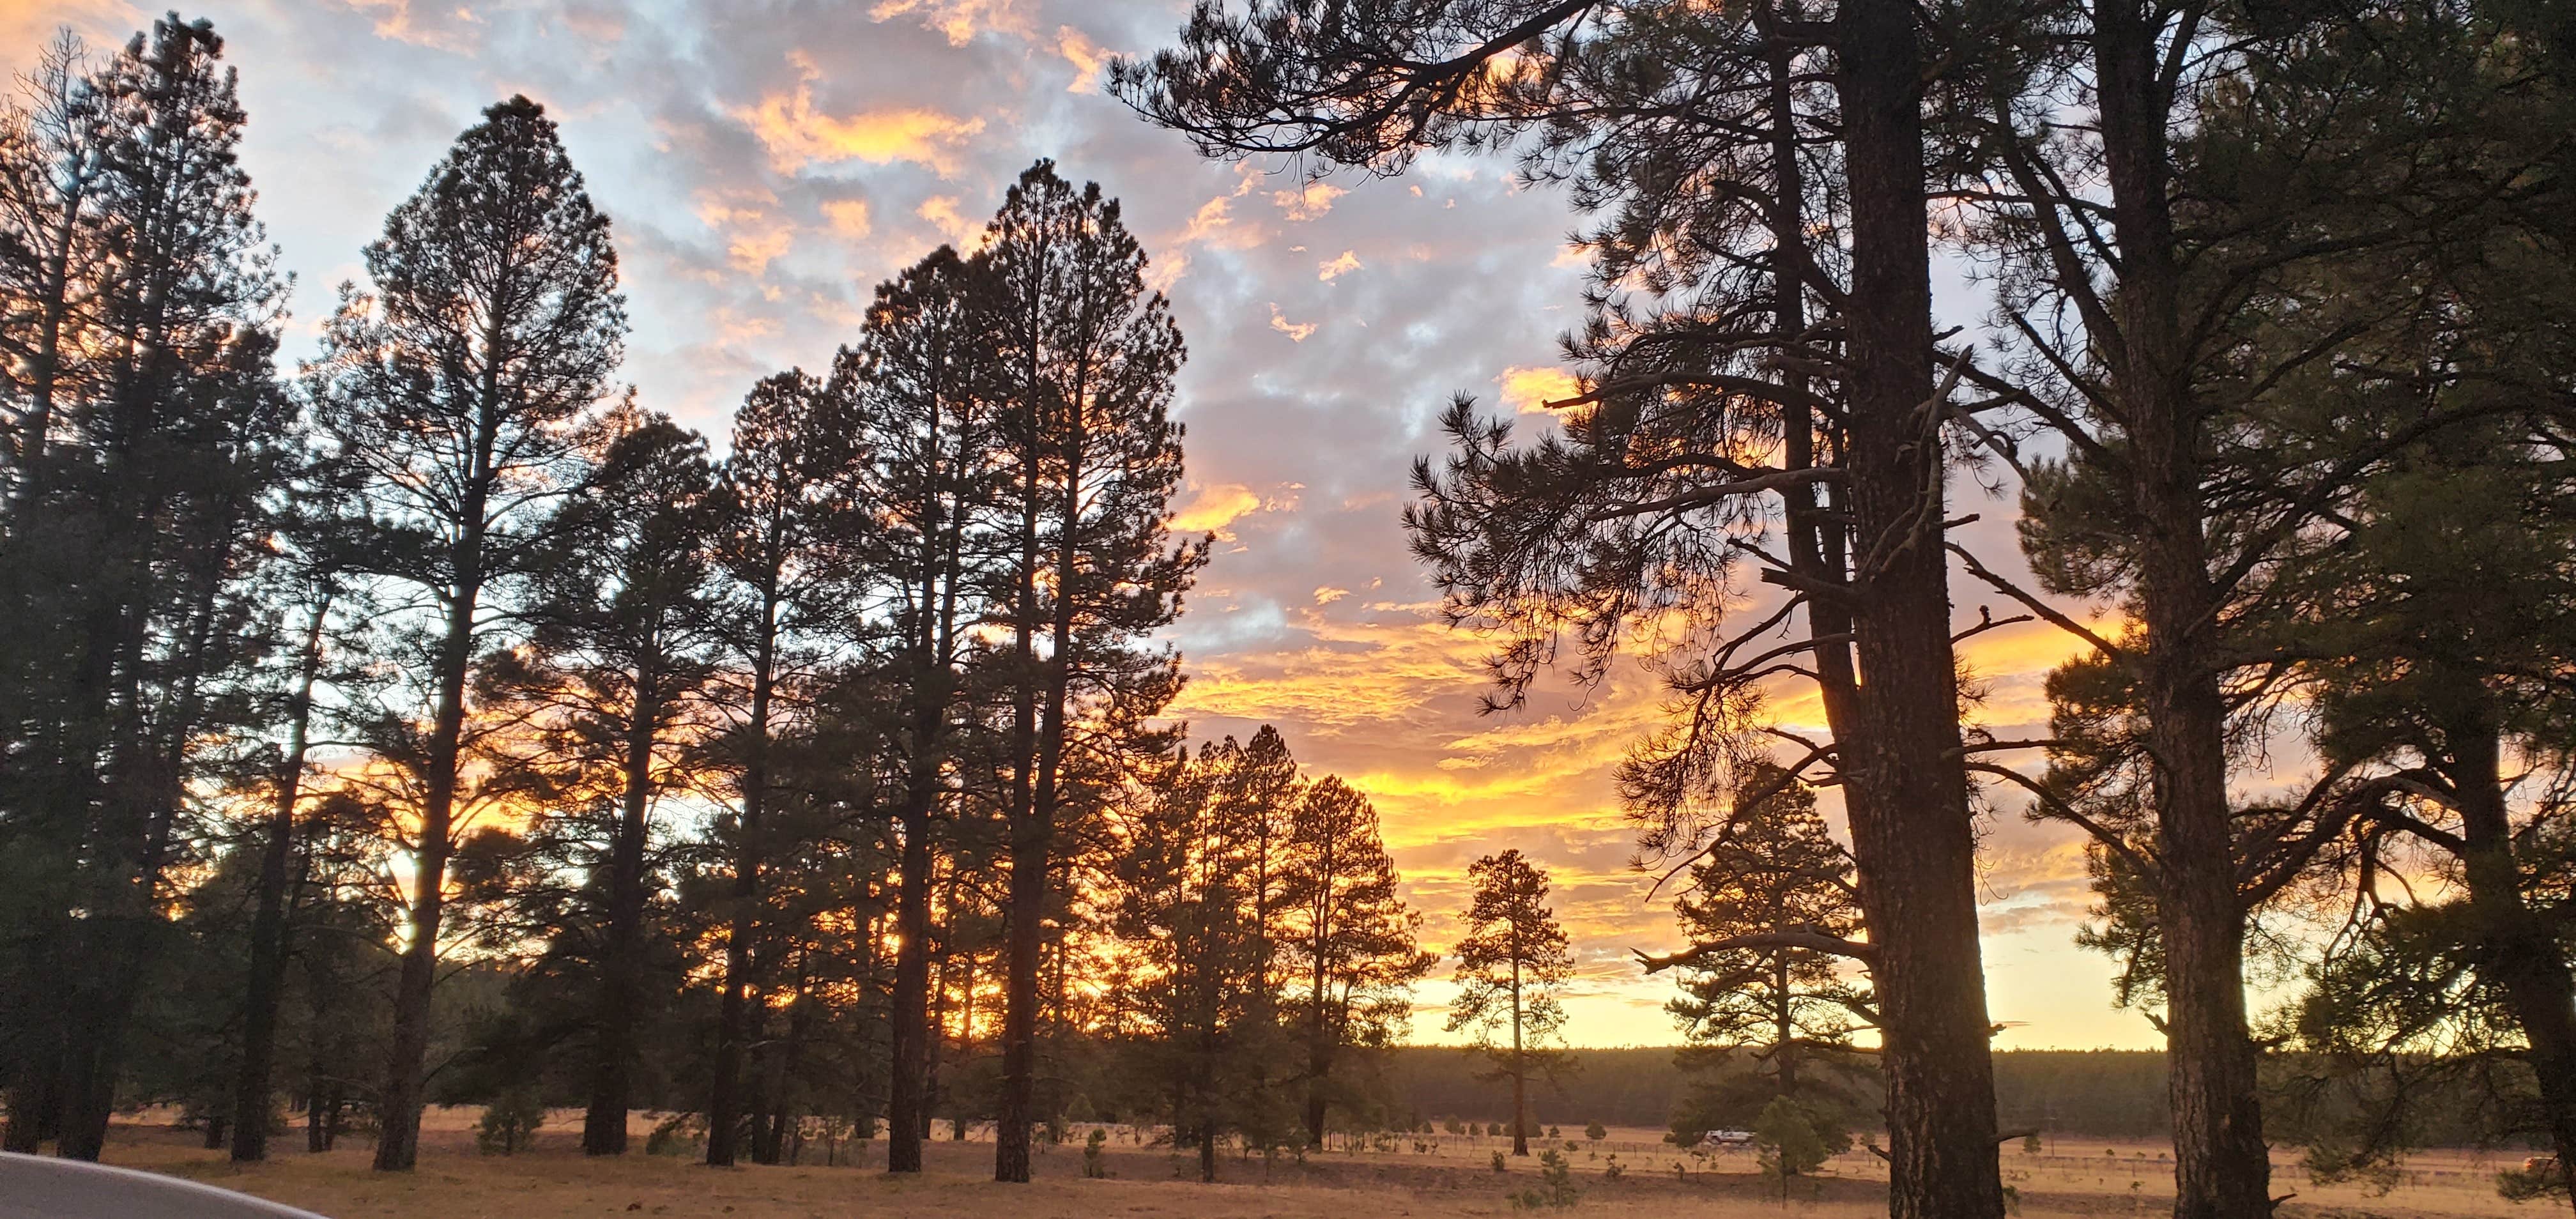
(458, 386)
(1084, 358)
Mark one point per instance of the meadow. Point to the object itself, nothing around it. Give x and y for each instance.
(1433, 1176)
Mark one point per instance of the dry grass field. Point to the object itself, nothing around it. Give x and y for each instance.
(1447, 1176)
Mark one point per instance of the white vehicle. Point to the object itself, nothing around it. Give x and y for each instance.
(33, 1187)
(1727, 1138)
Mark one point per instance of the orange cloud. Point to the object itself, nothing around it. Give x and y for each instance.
(1529, 389)
(959, 20)
(1309, 201)
(798, 135)
(849, 217)
(394, 20)
(1214, 508)
(941, 211)
(1335, 269)
(752, 252)
(1085, 55)
(1297, 332)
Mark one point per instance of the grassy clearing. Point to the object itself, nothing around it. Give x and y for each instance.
(1451, 1177)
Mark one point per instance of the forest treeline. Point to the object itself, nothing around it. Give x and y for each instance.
(2268, 336)
(2110, 1094)
(431, 720)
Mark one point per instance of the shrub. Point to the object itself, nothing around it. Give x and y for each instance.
(1796, 1139)
(1555, 1188)
(1094, 1165)
(1596, 1132)
(510, 1122)
(676, 1135)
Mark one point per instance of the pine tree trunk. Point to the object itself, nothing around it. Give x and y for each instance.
(1520, 1063)
(2222, 1167)
(2514, 946)
(1033, 837)
(398, 1105)
(1024, 937)
(1322, 1036)
(621, 997)
(314, 1143)
(724, 1112)
(908, 1100)
(1905, 787)
(267, 985)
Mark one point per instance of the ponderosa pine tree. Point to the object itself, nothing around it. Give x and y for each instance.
(1256, 790)
(1350, 949)
(2248, 223)
(458, 386)
(149, 438)
(1512, 963)
(1767, 167)
(1184, 903)
(918, 380)
(609, 685)
(779, 523)
(1084, 358)
(1750, 983)
(50, 141)
(323, 632)
(2443, 621)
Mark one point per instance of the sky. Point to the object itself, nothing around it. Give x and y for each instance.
(767, 162)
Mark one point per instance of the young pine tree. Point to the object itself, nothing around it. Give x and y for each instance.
(1350, 948)
(1184, 902)
(1511, 965)
(1748, 982)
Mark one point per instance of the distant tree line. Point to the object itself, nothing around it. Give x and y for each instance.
(2276, 356)
(433, 721)
(2060, 1094)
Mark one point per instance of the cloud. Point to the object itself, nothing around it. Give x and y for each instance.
(849, 217)
(1328, 594)
(799, 136)
(1214, 508)
(960, 230)
(1297, 332)
(1309, 201)
(448, 29)
(959, 20)
(753, 250)
(1085, 55)
(1338, 267)
(1529, 389)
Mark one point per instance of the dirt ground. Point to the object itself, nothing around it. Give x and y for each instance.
(1436, 1176)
